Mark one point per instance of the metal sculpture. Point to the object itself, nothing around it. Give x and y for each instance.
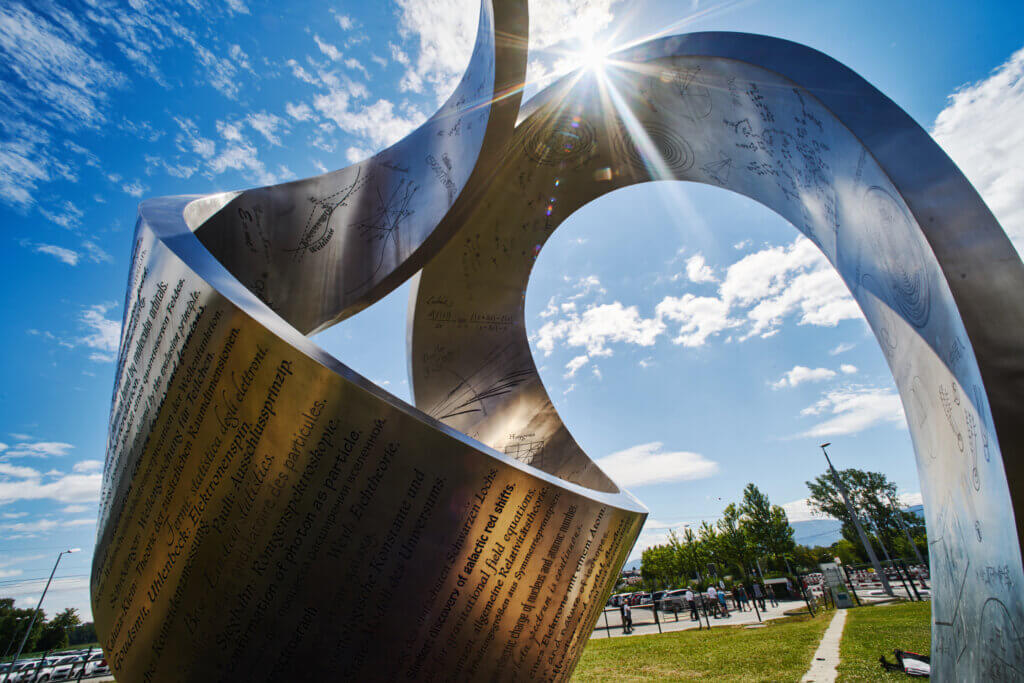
(268, 514)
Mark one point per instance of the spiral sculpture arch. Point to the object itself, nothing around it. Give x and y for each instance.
(269, 514)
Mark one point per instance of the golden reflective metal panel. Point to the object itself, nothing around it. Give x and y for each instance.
(268, 514)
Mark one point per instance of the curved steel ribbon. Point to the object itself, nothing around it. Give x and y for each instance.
(267, 514)
(933, 272)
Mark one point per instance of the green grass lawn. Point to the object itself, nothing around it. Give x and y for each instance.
(781, 651)
(871, 632)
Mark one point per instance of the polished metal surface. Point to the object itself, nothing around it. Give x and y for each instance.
(269, 515)
(936, 277)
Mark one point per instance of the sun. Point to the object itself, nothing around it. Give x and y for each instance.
(593, 55)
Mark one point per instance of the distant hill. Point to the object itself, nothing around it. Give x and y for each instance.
(826, 531)
(810, 532)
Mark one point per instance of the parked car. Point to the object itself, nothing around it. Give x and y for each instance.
(673, 600)
(96, 665)
(26, 670)
(67, 666)
(640, 598)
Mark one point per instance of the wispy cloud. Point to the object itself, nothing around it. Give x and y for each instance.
(648, 464)
(854, 409)
(26, 483)
(104, 333)
(980, 129)
(35, 449)
(800, 374)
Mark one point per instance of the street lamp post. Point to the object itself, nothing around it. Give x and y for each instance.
(856, 522)
(35, 614)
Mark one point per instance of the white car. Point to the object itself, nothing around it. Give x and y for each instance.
(96, 665)
(26, 670)
(67, 666)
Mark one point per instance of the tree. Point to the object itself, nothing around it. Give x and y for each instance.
(732, 541)
(55, 632)
(869, 495)
(14, 621)
(658, 566)
(765, 525)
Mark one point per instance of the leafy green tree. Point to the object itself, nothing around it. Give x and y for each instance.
(712, 546)
(55, 632)
(14, 621)
(732, 540)
(869, 495)
(766, 526)
(658, 566)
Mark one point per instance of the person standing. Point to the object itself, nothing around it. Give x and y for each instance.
(742, 591)
(771, 595)
(759, 595)
(627, 620)
(713, 599)
(690, 600)
(721, 603)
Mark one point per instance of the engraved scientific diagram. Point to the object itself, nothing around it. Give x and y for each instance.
(807, 137)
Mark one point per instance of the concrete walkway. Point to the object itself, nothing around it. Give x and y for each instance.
(826, 658)
(643, 620)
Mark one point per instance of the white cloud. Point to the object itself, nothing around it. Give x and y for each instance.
(25, 483)
(854, 409)
(62, 80)
(598, 326)
(841, 348)
(43, 525)
(344, 21)
(65, 214)
(698, 271)
(240, 58)
(96, 253)
(189, 139)
(134, 188)
(66, 255)
(980, 129)
(648, 464)
(88, 466)
(37, 449)
(299, 72)
(267, 125)
(105, 333)
(910, 499)
(238, 6)
(800, 511)
(379, 122)
(357, 154)
(800, 374)
(75, 509)
(574, 365)
(242, 156)
(329, 50)
(299, 112)
(700, 317)
(848, 369)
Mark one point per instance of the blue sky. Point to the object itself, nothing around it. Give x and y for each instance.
(686, 335)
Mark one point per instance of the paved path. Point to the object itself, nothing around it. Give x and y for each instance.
(826, 658)
(643, 623)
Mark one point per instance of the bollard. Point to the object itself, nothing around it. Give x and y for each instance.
(853, 590)
(910, 578)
